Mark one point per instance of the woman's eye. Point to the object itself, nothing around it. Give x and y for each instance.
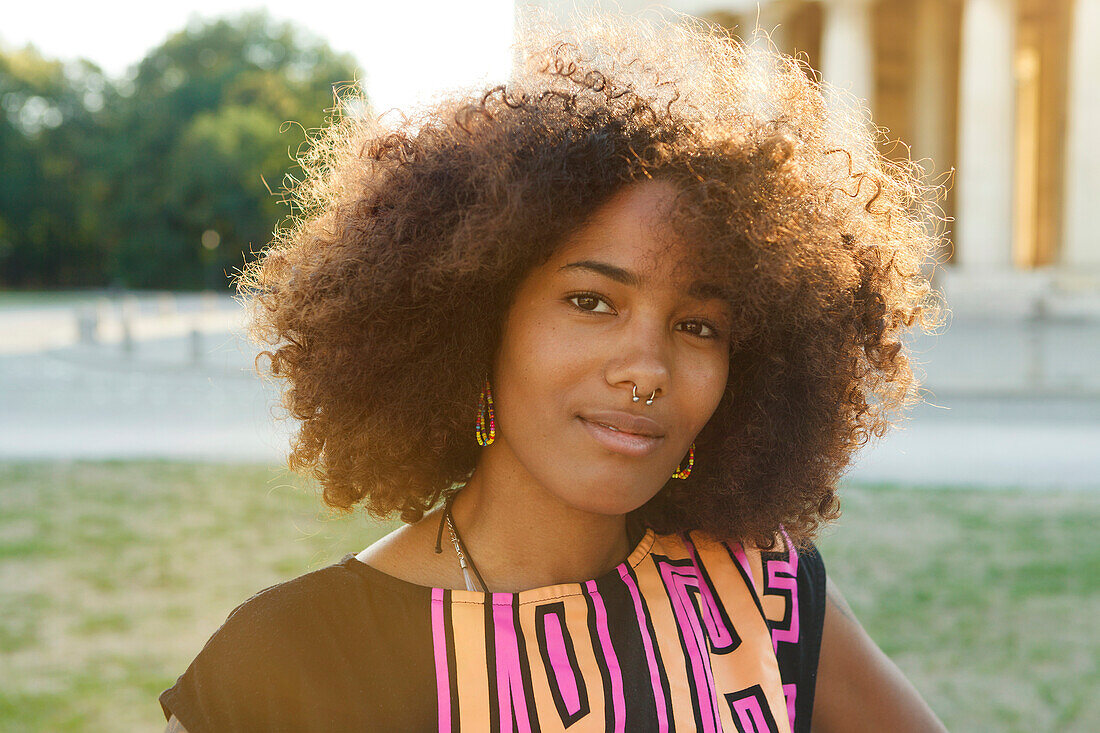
(701, 328)
(589, 302)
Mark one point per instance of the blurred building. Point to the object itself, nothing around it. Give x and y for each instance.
(1001, 95)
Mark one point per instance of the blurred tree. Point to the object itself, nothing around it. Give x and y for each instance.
(159, 179)
(217, 171)
(201, 135)
(49, 172)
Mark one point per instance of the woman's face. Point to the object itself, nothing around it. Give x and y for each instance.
(607, 312)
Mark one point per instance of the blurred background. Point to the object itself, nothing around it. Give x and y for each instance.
(143, 492)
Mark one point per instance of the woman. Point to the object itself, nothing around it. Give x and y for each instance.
(604, 338)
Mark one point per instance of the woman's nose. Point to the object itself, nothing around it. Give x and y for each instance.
(641, 357)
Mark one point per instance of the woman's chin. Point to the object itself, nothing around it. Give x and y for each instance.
(607, 499)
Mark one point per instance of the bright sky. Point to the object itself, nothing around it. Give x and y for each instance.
(406, 50)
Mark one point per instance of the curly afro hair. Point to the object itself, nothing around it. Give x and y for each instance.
(381, 304)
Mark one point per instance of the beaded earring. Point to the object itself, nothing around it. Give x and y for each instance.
(485, 405)
(685, 472)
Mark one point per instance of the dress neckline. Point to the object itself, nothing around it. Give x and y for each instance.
(530, 595)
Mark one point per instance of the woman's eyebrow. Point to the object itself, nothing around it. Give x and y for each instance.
(616, 273)
(699, 289)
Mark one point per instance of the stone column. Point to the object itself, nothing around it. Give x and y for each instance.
(1081, 241)
(847, 53)
(987, 113)
(931, 92)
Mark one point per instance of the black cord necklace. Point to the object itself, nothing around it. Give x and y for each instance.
(634, 528)
(464, 559)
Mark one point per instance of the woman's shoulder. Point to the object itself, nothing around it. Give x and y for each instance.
(301, 646)
(311, 593)
(287, 614)
(342, 604)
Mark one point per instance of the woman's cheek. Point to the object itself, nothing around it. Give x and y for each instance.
(700, 378)
(539, 355)
(556, 344)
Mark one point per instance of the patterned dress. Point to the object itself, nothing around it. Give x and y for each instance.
(687, 634)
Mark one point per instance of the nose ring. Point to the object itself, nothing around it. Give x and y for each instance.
(635, 396)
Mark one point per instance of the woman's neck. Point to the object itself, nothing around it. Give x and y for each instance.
(521, 536)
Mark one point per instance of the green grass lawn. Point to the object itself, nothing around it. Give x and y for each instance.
(114, 574)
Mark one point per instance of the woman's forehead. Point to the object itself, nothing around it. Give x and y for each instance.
(643, 205)
(630, 240)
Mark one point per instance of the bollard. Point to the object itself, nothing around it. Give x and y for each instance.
(87, 325)
(1036, 323)
(127, 341)
(196, 346)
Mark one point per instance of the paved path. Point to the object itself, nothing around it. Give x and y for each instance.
(94, 402)
(1029, 442)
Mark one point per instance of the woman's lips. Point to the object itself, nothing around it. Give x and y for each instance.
(629, 444)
